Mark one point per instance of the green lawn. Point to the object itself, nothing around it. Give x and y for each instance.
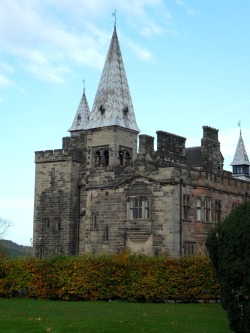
(31, 315)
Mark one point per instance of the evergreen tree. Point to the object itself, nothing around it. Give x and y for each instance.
(229, 249)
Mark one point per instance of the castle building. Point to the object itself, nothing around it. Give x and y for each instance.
(108, 189)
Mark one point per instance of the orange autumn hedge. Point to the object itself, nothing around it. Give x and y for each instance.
(124, 276)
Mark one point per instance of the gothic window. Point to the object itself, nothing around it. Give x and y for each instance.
(100, 156)
(52, 176)
(208, 209)
(186, 207)
(138, 208)
(121, 157)
(94, 225)
(106, 234)
(198, 209)
(97, 159)
(217, 210)
(127, 157)
(106, 157)
(78, 120)
(57, 223)
(46, 224)
(43, 198)
(190, 248)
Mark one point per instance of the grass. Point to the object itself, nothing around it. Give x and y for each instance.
(31, 315)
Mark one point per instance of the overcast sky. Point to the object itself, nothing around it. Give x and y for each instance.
(187, 64)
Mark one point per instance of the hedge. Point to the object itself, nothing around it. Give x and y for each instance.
(109, 277)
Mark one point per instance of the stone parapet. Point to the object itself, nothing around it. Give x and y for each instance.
(57, 155)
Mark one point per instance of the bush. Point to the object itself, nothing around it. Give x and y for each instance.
(229, 249)
(124, 276)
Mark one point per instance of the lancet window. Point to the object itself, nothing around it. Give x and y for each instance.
(100, 156)
(124, 155)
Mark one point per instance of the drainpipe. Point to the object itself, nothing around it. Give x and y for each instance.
(181, 184)
(78, 220)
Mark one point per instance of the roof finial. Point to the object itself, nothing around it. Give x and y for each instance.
(83, 81)
(239, 125)
(114, 14)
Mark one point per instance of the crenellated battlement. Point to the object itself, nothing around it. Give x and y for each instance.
(56, 155)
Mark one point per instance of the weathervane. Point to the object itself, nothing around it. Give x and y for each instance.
(239, 125)
(114, 14)
(83, 81)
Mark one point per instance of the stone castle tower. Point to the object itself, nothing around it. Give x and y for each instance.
(98, 194)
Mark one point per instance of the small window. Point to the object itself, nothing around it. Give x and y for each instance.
(106, 157)
(78, 120)
(102, 109)
(208, 209)
(46, 224)
(57, 223)
(217, 210)
(198, 209)
(127, 157)
(94, 225)
(186, 207)
(138, 208)
(190, 248)
(106, 234)
(121, 157)
(97, 159)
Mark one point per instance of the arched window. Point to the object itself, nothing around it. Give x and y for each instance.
(97, 159)
(127, 157)
(121, 156)
(106, 157)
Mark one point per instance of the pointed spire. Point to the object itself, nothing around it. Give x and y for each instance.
(240, 156)
(113, 103)
(82, 114)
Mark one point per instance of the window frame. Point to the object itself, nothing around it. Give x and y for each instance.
(138, 208)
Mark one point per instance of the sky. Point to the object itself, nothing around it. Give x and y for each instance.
(187, 65)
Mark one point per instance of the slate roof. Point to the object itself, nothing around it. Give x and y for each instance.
(113, 104)
(240, 156)
(82, 115)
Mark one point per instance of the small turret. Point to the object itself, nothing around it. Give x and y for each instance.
(82, 115)
(240, 164)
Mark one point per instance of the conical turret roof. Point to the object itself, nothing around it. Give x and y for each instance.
(113, 104)
(240, 156)
(82, 115)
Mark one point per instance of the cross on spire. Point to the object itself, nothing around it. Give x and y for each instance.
(114, 14)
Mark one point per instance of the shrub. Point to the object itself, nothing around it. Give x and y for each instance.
(229, 249)
(123, 276)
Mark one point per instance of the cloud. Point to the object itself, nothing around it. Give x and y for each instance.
(141, 53)
(183, 4)
(5, 82)
(50, 36)
(230, 108)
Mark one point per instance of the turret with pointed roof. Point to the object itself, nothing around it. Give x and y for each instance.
(113, 104)
(241, 162)
(82, 115)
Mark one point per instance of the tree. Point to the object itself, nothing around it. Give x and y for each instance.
(228, 245)
(4, 227)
